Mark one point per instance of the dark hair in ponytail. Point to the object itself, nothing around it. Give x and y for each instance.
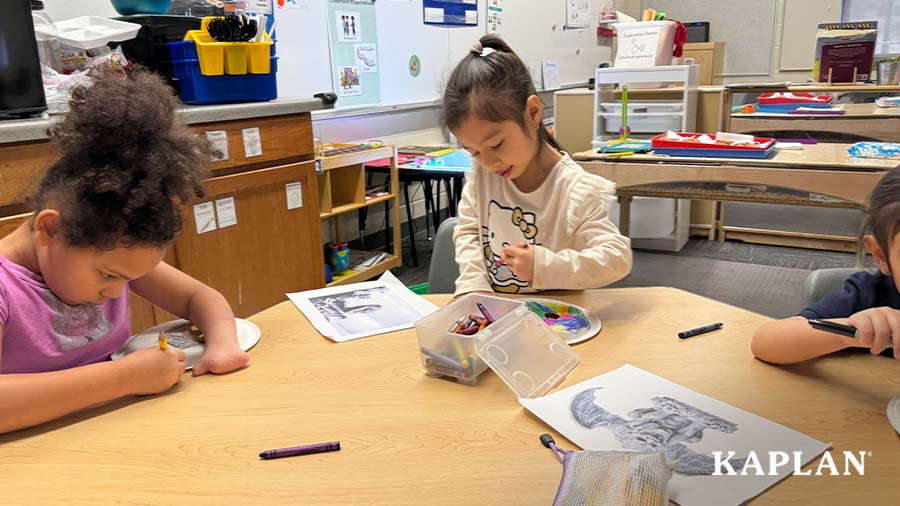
(125, 167)
(493, 83)
(882, 216)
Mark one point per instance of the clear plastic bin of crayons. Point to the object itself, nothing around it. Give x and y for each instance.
(447, 337)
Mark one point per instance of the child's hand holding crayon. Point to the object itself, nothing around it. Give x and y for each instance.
(520, 260)
(152, 370)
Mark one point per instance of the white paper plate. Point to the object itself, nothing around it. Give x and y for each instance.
(570, 319)
(893, 413)
(178, 335)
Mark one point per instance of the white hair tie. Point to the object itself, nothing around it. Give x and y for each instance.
(487, 51)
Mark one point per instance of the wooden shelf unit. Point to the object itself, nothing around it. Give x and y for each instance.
(342, 189)
(366, 274)
(354, 206)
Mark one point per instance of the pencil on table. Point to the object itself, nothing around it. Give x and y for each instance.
(163, 344)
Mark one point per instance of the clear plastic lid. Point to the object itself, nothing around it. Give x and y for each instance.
(527, 355)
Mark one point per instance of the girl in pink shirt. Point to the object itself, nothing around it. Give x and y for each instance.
(104, 213)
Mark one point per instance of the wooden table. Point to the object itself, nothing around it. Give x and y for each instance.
(789, 178)
(409, 439)
(865, 121)
(729, 91)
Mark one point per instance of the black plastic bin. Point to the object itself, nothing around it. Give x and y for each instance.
(150, 48)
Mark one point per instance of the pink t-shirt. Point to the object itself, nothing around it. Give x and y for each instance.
(41, 333)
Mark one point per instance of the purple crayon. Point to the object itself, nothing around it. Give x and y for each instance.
(300, 450)
(485, 312)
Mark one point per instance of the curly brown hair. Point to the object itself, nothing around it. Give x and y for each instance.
(126, 169)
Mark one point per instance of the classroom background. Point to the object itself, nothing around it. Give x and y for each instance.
(330, 165)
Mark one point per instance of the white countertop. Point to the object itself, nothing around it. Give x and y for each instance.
(37, 129)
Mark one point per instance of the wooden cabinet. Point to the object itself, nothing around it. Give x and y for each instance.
(270, 250)
(282, 139)
(709, 58)
(342, 189)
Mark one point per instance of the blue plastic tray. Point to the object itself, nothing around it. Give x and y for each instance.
(716, 153)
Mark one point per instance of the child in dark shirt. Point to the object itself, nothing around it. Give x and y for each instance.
(869, 301)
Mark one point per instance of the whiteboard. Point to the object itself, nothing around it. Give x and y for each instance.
(304, 58)
(535, 29)
(746, 27)
(401, 34)
(304, 64)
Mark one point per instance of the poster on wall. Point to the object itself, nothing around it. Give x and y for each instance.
(450, 12)
(366, 57)
(494, 16)
(348, 82)
(578, 13)
(349, 26)
(354, 55)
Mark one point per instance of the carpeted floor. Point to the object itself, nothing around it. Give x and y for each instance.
(760, 254)
(769, 290)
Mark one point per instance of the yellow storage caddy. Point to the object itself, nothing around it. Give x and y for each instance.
(233, 58)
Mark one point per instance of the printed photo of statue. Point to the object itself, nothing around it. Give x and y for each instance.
(667, 427)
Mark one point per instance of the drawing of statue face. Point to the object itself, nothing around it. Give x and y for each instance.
(661, 428)
(654, 437)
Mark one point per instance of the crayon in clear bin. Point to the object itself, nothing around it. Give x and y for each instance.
(447, 338)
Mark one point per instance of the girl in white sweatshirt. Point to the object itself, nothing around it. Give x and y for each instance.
(530, 218)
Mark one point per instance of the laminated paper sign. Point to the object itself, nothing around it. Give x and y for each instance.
(637, 47)
(845, 49)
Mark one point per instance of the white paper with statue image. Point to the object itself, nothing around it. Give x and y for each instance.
(631, 409)
(343, 313)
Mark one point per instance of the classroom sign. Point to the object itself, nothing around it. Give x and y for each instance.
(637, 47)
(354, 52)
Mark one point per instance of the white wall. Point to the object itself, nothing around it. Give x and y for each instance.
(825, 11)
(801, 27)
(65, 9)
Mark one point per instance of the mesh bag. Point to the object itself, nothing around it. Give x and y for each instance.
(610, 478)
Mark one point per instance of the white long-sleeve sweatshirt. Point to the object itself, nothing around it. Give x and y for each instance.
(566, 219)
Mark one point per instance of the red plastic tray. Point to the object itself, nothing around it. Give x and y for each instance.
(799, 98)
(660, 142)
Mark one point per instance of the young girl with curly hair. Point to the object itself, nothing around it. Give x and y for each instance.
(104, 214)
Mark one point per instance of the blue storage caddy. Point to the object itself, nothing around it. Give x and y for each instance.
(197, 88)
(717, 153)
